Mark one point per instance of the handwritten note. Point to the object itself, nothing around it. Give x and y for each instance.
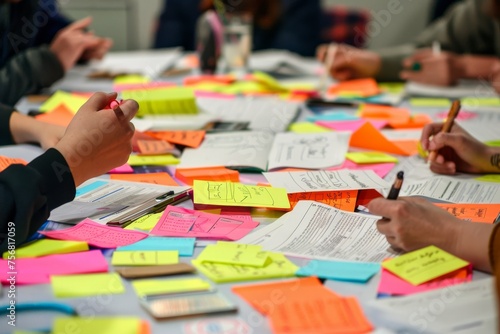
(185, 138)
(423, 265)
(86, 285)
(144, 258)
(341, 271)
(154, 178)
(145, 223)
(237, 194)
(236, 256)
(6, 162)
(154, 147)
(380, 169)
(97, 235)
(343, 200)
(160, 287)
(113, 325)
(479, 213)
(185, 246)
(188, 175)
(152, 160)
(44, 247)
(278, 267)
(370, 157)
(38, 270)
(182, 222)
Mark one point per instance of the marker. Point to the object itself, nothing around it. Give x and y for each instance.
(331, 52)
(119, 112)
(396, 187)
(448, 124)
(436, 48)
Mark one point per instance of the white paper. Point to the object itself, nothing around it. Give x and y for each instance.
(482, 130)
(309, 150)
(453, 189)
(316, 230)
(239, 149)
(311, 181)
(464, 308)
(278, 60)
(180, 122)
(464, 88)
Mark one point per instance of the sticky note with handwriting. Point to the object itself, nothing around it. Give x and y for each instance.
(191, 138)
(144, 258)
(423, 265)
(225, 255)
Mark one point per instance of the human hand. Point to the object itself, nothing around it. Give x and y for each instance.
(411, 223)
(25, 129)
(49, 135)
(98, 139)
(71, 42)
(457, 151)
(99, 50)
(440, 70)
(351, 63)
(495, 76)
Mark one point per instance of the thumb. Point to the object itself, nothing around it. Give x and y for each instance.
(99, 101)
(445, 139)
(80, 24)
(129, 108)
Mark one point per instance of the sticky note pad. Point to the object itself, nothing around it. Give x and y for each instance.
(154, 178)
(189, 138)
(306, 127)
(172, 100)
(185, 246)
(108, 325)
(61, 115)
(471, 102)
(130, 79)
(153, 160)
(225, 255)
(144, 258)
(430, 102)
(332, 116)
(236, 245)
(157, 287)
(154, 147)
(489, 178)
(494, 143)
(340, 271)
(370, 157)
(71, 101)
(86, 285)
(145, 223)
(423, 265)
(6, 162)
(188, 175)
(44, 247)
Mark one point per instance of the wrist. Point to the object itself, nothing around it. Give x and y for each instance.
(493, 160)
(74, 163)
(24, 129)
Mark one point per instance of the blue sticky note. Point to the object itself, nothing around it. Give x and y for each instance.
(88, 188)
(358, 272)
(185, 246)
(333, 116)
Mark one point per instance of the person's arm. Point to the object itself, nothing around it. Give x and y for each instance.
(176, 24)
(27, 73)
(55, 22)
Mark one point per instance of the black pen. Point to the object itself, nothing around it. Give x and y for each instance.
(396, 187)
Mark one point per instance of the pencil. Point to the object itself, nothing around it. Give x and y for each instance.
(396, 187)
(448, 124)
(331, 52)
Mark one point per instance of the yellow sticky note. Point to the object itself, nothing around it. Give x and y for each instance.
(423, 265)
(71, 101)
(86, 285)
(429, 102)
(392, 87)
(268, 81)
(278, 267)
(44, 247)
(152, 160)
(172, 100)
(94, 325)
(226, 255)
(145, 223)
(494, 143)
(370, 157)
(306, 127)
(237, 194)
(158, 287)
(144, 258)
(130, 79)
(471, 102)
(235, 245)
(489, 178)
(245, 87)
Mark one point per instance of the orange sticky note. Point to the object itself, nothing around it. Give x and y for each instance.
(368, 137)
(416, 121)
(358, 87)
(479, 213)
(188, 175)
(61, 115)
(153, 147)
(186, 138)
(221, 79)
(155, 178)
(6, 162)
(385, 113)
(343, 200)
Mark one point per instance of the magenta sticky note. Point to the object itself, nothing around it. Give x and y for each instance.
(380, 169)
(393, 285)
(124, 169)
(97, 235)
(350, 125)
(38, 270)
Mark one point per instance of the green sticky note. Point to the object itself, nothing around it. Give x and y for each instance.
(45, 247)
(71, 101)
(94, 325)
(245, 87)
(370, 157)
(489, 178)
(471, 102)
(226, 255)
(494, 143)
(144, 258)
(86, 285)
(278, 267)
(269, 82)
(235, 245)
(158, 287)
(306, 127)
(145, 223)
(392, 87)
(429, 102)
(238, 194)
(152, 160)
(130, 79)
(423, 265)
(165, 101)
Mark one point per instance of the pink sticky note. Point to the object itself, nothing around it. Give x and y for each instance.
(199, 93)
(124, 169)
(97, 235)
(393, 285)
(181, 222)
(38, 270)
(463, 115)
(380, 169)
(139, 86)
(350, 125)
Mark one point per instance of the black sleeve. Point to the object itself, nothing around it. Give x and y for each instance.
(27, 73)
(29, 193)
(5, 134)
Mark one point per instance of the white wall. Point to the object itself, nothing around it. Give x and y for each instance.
(395, 21)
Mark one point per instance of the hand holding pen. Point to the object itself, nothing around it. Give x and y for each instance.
(448, 124)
